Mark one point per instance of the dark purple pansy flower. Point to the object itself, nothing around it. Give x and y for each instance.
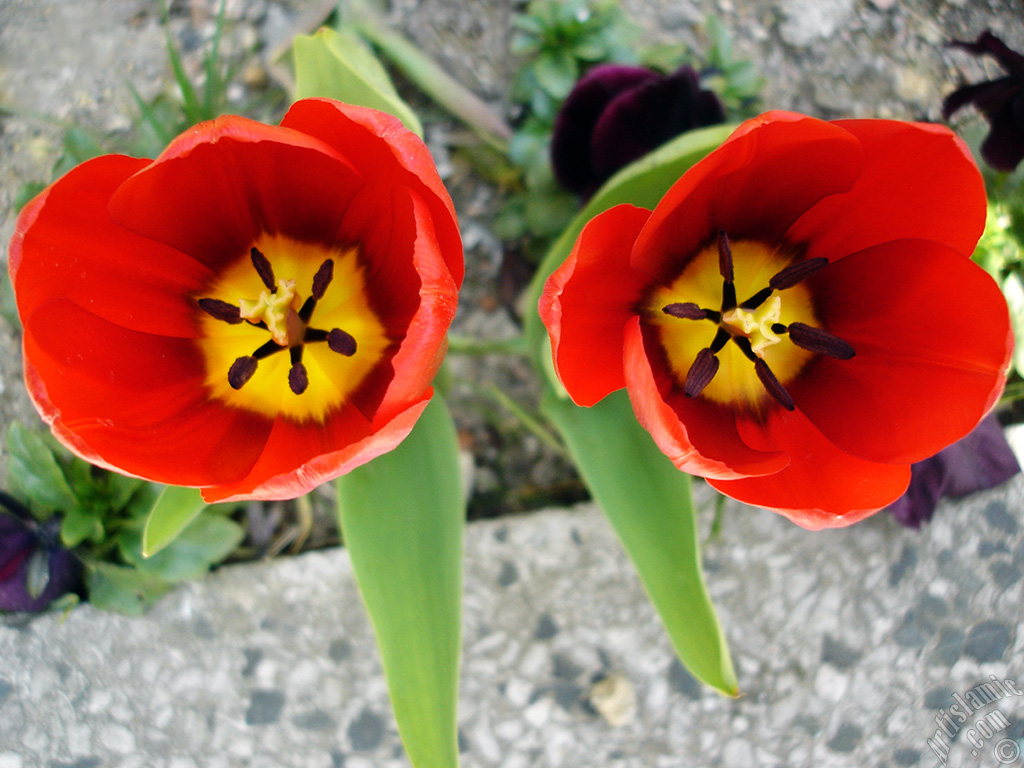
(1001, 101)
(617, 114)
(983, 459)
(34, 568)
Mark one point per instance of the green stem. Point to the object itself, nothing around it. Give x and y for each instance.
(427, 75)
(463, 345)
(1014, 391)
(531, 422)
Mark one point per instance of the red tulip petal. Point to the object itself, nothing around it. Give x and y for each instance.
(918, 182)
(220, 185)
(766, 175)
(66, 245)
(932, 339)
(401, 159)
(322, 452)
(424, 343)
(696, 434)
(588, 301)
(822, 487)
(134, 401)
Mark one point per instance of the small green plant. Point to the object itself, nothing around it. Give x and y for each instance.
(102, 516)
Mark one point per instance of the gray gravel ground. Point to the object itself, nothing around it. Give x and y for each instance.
(848, 645)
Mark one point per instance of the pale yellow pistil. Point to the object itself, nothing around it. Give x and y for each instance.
(278, 311)
(756, 324)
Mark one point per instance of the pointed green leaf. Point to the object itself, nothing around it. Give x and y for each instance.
(649, 504)
(339, 65)
(34, 473)
(203, 543)
(124, 590)
(402, 518)
(642, 183)
(427, 74)
(173, 510)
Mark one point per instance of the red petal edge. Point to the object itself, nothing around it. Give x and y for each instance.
(587, 302)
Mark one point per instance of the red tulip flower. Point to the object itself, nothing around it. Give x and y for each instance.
(798, 320)
(256, 311)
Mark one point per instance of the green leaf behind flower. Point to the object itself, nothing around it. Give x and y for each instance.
(402, 518)
(642, 183)
(173, 510)
(648, 502)
(34, 473)
(339, 65)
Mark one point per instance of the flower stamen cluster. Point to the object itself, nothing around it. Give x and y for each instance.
(753, 326)
(278, 311)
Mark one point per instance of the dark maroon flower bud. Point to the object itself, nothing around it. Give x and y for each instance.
(617, 114)
(34, 568)
(983, 459)
(1001, 101)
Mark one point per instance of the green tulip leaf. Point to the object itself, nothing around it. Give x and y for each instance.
(34, 472)
(339, 65)
(649, 504)
(204, 542)
(173, 510)
(402, 518)
(642, 183)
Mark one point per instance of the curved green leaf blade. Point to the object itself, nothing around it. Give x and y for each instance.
(172, 511)
(339, 65)
(649, 504)
(642, 183)
(402, 518)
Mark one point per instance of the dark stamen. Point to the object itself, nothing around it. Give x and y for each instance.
(298, 379)
(744, 344)
(221, 310)
(757, 299)
(323, 278)
(780, 328)
(720, 340)
(703, 370)
(241, 371)
(341, 342)
(306, 312)
(314, 334)
(772, 385)
(728, 296)
(262, 266)
(267, 350)
(819, 341)
(795, 273)
(685, 310)
(725, 257)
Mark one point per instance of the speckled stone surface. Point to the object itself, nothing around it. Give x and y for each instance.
(848, 645)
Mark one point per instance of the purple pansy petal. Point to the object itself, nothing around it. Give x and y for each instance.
(983, 459)
(984, 96)
(570, 140)
(1008, 58)
(917, 505)
(645, 117)
(1003, 148)
(1001, 101)
(617, 114)
(18, 543)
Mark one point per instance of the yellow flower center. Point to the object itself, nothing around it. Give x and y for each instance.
(737, 324)
(756, 324)
(288, 330)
